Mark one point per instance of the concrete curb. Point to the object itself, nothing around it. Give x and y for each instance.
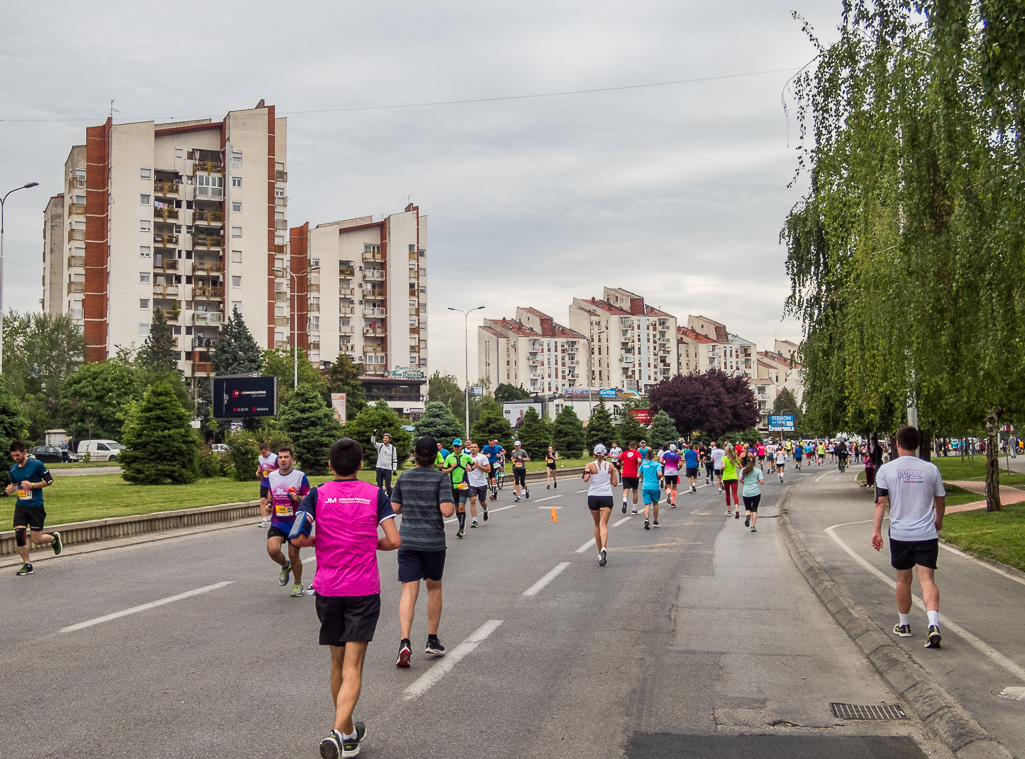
(924, 697)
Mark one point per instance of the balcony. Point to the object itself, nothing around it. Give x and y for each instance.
(207, 217)
(166, 264)
(346, 329)
(165, 239)
(313, 287)
(347, 310)
(372, 332)
(76, 313)
(166, 189)
(627, 359)
(76, 209)
(373, 369)
(280, 224)
(345, 271)
(373, 294)
(373, 275)
(76, 261)
(207, 267)
(76, 182)
(281, 345)
(281, 297)
(76, 287)
(76, 234)
(202, 367)
(280, 202)
(347, 292)
(173, 315)
(208, 166)
(207, 242)
(280, 249)
(207, 291)
(280, 321)
(369, 311)
(280, 176)
(165, 213)
(166, 291)
(313, 308)
(371, 256)
(207, 317)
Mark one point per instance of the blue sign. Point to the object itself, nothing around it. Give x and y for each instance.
(607, 392)
(782, 422)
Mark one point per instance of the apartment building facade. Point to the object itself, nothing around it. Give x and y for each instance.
(732, 354)
(53, 257)
(695, 352)
(187, 217)
(531, 351)
(632, 345)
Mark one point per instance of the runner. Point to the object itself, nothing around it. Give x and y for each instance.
(651, 488)
(917, 504)
(455, 466)
(642, 449)
(601, 477)
(347, 513)
(831, 449)
(809, 453)
(752, 493)
(494, 452)
(28, 478)
(614, 455)
(761, 453)
(788, 447)
(841, 455)
(781, 463)
(821, 452)
(730, 463)
(717, 455)
(423, 496)
(690, 456)
(798, 455)
(287, 486)
(387, 461)
(550, 458)
(705, 458)
(267, 462)
(519, 459)
(477, 479)
(630, 461)
(671, 473)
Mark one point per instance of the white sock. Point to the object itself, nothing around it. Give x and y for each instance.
(934, 618)
(350, 737)
(905, 619)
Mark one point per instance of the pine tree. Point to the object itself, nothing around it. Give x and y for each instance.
(312, 427)
(600, 428)
(534, 435)
(380, 417)
(492, 425)
(568, 433)
(160, 447)
(631, 429)
(662, 431)
(236, 352)
(343, 377)
(438, 422)
(158, 353)
(12, 423)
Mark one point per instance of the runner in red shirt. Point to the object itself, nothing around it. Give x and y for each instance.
(630, 460)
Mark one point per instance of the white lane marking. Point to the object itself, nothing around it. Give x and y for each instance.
(490, 511)
(589, 544)
(146, 607)
(991, 568)
(624, 520)
(542, 500)
(821, 476)
(442, 668)
(984, 648)
(545, 508)
(583, 491)
(538, 586)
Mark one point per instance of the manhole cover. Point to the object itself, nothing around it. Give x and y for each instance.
(867, 711)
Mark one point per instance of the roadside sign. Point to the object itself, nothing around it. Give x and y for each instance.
(781, 422)
(476, 391)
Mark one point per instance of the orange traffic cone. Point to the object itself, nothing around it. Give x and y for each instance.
(555, 518)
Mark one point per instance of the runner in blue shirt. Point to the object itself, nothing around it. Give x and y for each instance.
(651, 487)
(798, 454)
(28, 478)
(690, 455)
(494, 451)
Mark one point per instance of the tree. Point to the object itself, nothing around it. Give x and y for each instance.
(492, 424)
(438, 422)
(92, 399)
(380, 417)
(662, 430)
(280, 364)
(236, 352)
(160, 446)
(600, 428)
(534, 435)
(445, 389)
(312, 427)
(568, 433)
(12, 423)
(630, 430)
(158, 353)
(37, 416)
(40, 352)
(344, 377)
(786, 403)
(712, 402)
(505, 392)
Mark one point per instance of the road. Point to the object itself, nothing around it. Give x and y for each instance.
(698, 639)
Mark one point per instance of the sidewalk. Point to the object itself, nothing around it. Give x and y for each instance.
(982, 661)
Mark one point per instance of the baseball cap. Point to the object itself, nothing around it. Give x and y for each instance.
(672, 446)
(643, 442)
(599, 450)
(457, 441)
(516, 443)
(426, 446)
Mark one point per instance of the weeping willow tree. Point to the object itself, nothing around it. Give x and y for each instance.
(907, 254)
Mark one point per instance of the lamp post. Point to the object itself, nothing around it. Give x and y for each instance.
(2, 201)
(466, 352)
(295, 320)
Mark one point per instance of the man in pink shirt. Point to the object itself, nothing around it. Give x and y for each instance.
(346, 513)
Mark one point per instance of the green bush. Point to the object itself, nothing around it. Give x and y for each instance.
(384, 419)
(568, 434)
(160, 445)
(243, 452)
(312, 427)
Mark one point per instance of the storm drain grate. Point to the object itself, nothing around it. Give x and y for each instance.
(869, 711)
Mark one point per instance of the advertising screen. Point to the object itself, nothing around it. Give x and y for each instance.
(235, 397)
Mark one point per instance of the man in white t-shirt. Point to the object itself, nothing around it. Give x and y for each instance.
(717, 454)
(917, 503)
(614, 455)
(477, 480)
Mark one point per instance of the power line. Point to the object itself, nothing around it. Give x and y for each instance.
(454, 102)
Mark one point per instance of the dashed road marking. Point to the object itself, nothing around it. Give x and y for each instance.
(538, 586)
(457, 654)
(145, 607)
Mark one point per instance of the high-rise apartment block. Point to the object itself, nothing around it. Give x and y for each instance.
(731, 353)
(532, 352)
(187, 217)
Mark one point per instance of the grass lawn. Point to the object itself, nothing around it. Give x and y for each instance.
(82, 465)
(953, 468)
(998, 535)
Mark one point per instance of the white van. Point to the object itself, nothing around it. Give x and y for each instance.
(99, 450)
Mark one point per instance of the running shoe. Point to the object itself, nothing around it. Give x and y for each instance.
(603, 558)
(285, 572)
(747, 521)
(672, 505)
(754, 529)
(933, 638)
(624, 507)
(459, 534)
(548, 487)
(633, 511)
(655, 524)
(26, 569)
(405, 652)
(485, 515)
(265, 523)
(728, 511)
(58, 544)
(331, 747)
(737, 515)
(903, 631)
(473, 523)
(646, 525)
(350, 746)
(526, 494)
(434, 647)
(555, 485)
(297, 590)
(517, 499)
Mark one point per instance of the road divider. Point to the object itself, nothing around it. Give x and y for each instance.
(538, 586)
(445, 665)
(145, 607)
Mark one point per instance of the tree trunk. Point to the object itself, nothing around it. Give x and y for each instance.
(925, 447)
(992, 461)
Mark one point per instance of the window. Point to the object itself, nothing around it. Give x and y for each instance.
(144, 200)
(279, 192)
(143, 330)
(236, 256)
(279, 239)
(236, 206)
(178, 153)
(236, 159)
(279, 310)
(315, 323)
(236, 281)
(209, 185)
(314, 262)
(144, 277)
(143, 302)
(144, 251)
(236, 181)
(145, 225)
(145, 173)
(236, 231)
(80, 199)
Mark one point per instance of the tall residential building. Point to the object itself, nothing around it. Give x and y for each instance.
(695, 351)
(187, 217)
(732, 354)
(633, 345)
(53, 256)
(532, 352)
(361, 290)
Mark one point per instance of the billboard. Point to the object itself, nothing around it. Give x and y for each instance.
(781, 422)
(338, 406)
(642, 415)
(242, 395)
(514, 411)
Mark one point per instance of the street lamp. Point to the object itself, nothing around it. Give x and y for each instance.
(466, 351)
(2, 201)
(295, 320)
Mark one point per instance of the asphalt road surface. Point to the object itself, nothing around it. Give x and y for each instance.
(699, 638)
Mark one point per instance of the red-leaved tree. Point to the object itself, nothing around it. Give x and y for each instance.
(712, 402)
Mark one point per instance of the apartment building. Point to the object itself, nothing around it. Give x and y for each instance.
(632, 345)
(53, 257)
(360, 288)
(695, 351)
(532, 352)
(733, 354)
(188, 217)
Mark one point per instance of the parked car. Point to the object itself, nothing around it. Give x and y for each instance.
(219, 448)
(100, 450)
(51, 454)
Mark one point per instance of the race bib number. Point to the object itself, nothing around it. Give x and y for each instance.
(283, 509)
(23, 494)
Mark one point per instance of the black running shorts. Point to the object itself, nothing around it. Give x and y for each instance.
(672, 479)
(264, 491)
(520, 477)
(421, 565)
(479, 492)
(630, 483)
(32, 517)
(596, 502)
(345, 619)
(692, 471)
(751, 502)
(276, 532)
(906, 554)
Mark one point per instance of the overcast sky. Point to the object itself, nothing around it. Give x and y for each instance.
(677, 193)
